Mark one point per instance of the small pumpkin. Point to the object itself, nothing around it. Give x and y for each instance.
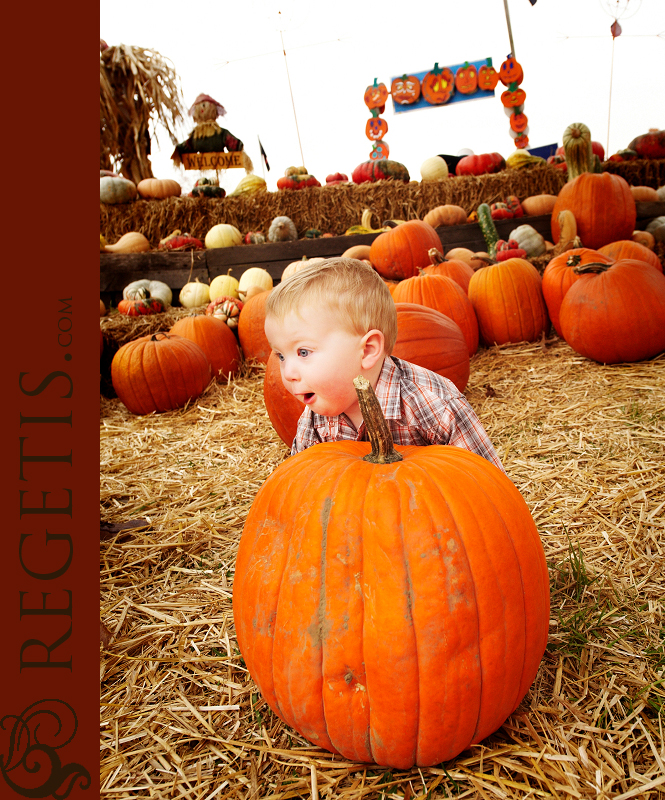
(644, 194)
(114, 190)
(158, 188)
(645, 238)
(405, 90)
(438, 85)
(539, 204)
(447, 214)
(480, 164)
(215, 339)
(251, 333)
(399, 252)
(180, 241)
(132, 242)
(460, 271)
(145, 287)
(649, 145)
(226, 310)
(223, 235)
(224, 286)
(528, 238)
(141, 307)
(380, 170)
(254, 237)
(297, 181)
(296, 266)
(335, 178)
(159, 373)
(254, 276)
(194, 294)
(434, 168)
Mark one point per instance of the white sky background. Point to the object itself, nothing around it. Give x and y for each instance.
(233, 52)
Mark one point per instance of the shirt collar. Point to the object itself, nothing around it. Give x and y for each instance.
(387, 392)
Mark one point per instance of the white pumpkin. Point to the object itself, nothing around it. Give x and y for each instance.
(528, 238)
(223, 235)
(296, 266)
(661, 193)
(223, 286)
(194, 294)
(157, 289)
(434, 169)
(655, 223)
(254, 276)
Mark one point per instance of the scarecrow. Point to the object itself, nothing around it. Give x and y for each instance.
(208, 136)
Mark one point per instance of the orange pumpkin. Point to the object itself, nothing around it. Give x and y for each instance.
(522, 141)
(158, 189)
(508, 300)
(438, 85)
(376, 128)
(252, 337)
(644, 194)
(282, 407)
(459, 271)
(602, 205)
(216, 340)
(627, 248)
(615, 313)
(399, 252)
(445, 295)
(447, 214)
(488, 77)
(511, 71)
(380, 151)
(466, 79)
(539, 204)
(559, 276)
(376, 96)
(159, 372)
(405, 90)
(518, 122)
(512, 98)
(360, 586)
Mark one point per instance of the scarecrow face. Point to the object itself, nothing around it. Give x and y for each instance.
(204, 111)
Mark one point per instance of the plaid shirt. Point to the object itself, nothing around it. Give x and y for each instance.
(421, 408)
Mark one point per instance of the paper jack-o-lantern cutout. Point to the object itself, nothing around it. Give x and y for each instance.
(376, 96)
(466, 79)
(438, 85)
(513, 97)
(519, 122)
(511, 72)
(405, 90)
(488, 77)
(376, 128)
(380, 151)
(522, 141)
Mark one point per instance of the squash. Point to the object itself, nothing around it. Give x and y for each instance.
(217, 341)
(359, 251)
(116, 190)
(445, 215)
(224, 286)
(528, 238)
(539, 204)
(158, 188)
(141, 306)
(250, 184)
(159, 373)
(488, 228)
(349, 599)
(153, 288)
(645, 238)
(226, 310)
(615, 312)
(223, 235)
(508, 300)
(254, 276)
(399, 252)
(180, 241)
(194, 294)
(129, 243)
(644, 194)
(382, 169)
(434, 168)
(296, 266)
(577, 148)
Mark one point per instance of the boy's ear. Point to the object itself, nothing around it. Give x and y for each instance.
(373, 348)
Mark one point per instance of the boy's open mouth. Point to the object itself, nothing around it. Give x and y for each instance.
(308, 397)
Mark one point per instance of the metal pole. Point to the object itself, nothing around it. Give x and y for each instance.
(510, 30)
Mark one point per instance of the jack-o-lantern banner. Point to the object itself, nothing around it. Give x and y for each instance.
(444, 85)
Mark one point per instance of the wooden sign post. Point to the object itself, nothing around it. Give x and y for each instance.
(214, 161)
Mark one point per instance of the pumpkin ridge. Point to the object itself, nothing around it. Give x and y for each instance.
(149, 361)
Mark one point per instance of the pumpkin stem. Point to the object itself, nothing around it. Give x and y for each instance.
(582, 269)
(383, 449)
(436, 256)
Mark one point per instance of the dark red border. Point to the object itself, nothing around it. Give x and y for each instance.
(50, 715)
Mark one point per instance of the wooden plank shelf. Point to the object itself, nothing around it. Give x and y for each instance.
(176, 269)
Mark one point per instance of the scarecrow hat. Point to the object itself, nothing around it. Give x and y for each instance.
(205, 98)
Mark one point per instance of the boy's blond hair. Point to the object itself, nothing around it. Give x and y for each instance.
(348, 286)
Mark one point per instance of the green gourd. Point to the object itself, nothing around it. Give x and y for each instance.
(488, 229)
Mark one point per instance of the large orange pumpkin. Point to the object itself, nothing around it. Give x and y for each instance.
(603, 206)
(445, 295)
(615, 313)
(282, 407)
(399, 252)
(432, 340)
(159, 372)
(508, 300)
(559, 275)
(216, 340)
(627, 248)
(252, 337)
(391, 612)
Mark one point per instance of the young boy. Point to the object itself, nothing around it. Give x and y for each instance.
(335, 320)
